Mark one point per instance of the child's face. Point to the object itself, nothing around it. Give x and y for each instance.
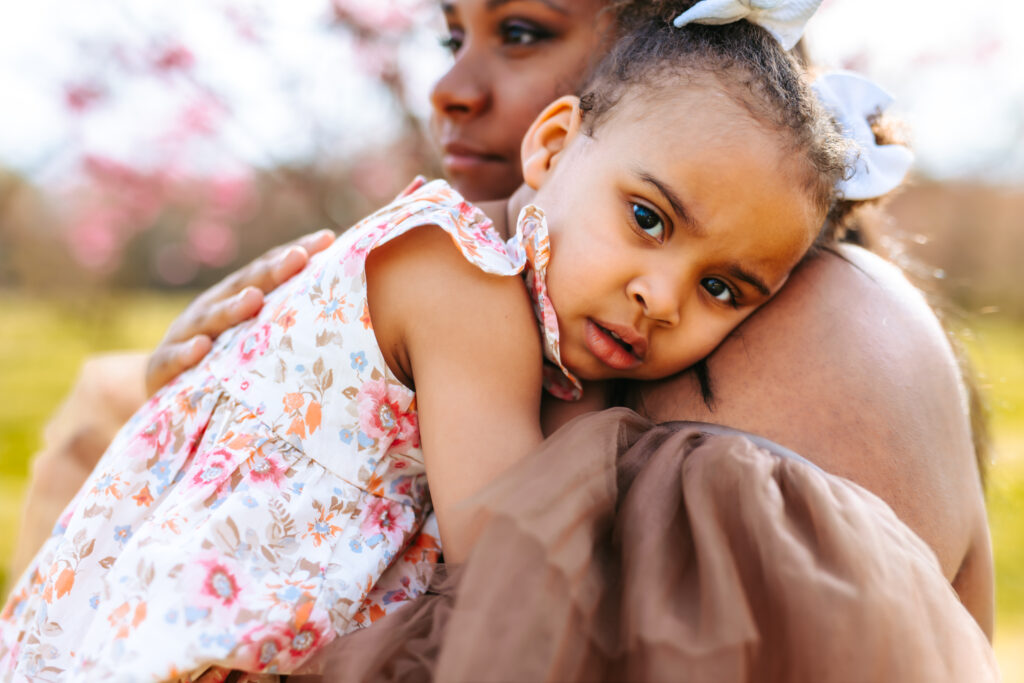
(669, 226)
(511, 59)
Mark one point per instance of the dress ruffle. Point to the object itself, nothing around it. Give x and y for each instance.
(623, 550)
(527, 251)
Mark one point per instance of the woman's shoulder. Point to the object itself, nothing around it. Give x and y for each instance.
(850, 367)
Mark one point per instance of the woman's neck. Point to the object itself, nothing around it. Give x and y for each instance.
(504, 212)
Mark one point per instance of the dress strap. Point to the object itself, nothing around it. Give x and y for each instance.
(532, 237)
(527, 252)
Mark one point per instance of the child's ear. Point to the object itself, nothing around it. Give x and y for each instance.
(548, 135)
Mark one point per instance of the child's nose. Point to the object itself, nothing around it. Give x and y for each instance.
(461, 91)
(657, 300)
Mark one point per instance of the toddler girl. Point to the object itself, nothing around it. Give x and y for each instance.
(243, 516)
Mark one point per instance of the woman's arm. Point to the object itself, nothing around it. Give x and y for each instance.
(849, 367)
(469, 344)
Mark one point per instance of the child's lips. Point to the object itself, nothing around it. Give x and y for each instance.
(617, 346)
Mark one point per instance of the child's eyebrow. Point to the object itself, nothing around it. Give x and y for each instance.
(492, 4)
(691, 225)
(741, 273)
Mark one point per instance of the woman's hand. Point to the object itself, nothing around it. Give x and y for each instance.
(237, 297)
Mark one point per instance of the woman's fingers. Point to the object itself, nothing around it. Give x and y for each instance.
(274, 267)
(237, 297)
(169, 360)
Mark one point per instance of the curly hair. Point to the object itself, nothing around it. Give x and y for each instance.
(744, 59)
(848, 220)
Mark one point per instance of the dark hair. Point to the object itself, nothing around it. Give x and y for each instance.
(746, 61)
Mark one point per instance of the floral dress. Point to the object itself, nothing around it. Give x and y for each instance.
(244, 516)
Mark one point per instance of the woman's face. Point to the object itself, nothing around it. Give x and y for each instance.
(512, 58)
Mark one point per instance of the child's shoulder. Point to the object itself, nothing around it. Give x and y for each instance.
(436, 203)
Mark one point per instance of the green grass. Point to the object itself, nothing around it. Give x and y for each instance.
(43, 342)
(42, 345)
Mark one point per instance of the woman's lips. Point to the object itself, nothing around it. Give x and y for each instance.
(459, 158)
(611, 351)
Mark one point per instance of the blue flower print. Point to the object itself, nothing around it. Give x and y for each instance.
(358, 360)
(289, 594)
(161, 470)
(122, 533)
(346, 435)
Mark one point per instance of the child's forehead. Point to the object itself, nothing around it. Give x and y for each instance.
(694, 104)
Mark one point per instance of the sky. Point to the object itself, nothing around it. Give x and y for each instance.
(956, 70)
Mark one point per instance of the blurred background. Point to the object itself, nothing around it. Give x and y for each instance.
(147, 148)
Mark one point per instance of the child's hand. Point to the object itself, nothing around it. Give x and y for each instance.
(237, 297)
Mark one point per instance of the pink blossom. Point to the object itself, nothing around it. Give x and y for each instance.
(211, 242)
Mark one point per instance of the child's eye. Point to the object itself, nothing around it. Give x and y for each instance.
(518, 32)
(453, 41)
(649, 221)
(719, 290)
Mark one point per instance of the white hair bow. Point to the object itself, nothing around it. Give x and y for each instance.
(851, 98)
(784, 19)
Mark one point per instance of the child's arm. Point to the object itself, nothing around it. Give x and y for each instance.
(469, 343)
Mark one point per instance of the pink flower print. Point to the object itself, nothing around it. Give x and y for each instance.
(158, 434)
(386, 520)
(408, 430)
(221, 585)
(304, 640)
(283, 645)
(378, 417)
(262, 649)
(213, 468)
(215, 582)
(267, 468)
(255, 344)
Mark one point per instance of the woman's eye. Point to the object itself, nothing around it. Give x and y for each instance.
(719, 290)
(520, 33)
(453, 41)
(649, 221)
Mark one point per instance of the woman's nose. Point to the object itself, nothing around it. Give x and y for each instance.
(461, 92)
(657, 299)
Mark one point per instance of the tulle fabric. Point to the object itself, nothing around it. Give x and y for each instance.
(622, 550)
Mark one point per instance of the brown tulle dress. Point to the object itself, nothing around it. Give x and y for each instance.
(624, 550)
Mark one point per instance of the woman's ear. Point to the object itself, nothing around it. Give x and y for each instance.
(548, 135)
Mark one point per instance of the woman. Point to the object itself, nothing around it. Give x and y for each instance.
(847, 366)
